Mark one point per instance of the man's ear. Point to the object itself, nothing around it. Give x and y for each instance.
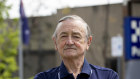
(89, 40)
(54, 40)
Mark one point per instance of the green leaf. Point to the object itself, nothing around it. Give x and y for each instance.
(2, 66)
(8, 43)
(7, 74)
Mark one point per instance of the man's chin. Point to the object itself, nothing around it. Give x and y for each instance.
(69, 54)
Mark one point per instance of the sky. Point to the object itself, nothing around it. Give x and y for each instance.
(48, 7)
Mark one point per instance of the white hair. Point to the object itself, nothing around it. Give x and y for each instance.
(73, 17)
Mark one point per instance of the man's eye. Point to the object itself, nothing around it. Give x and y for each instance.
(63, 36)
(76, 37)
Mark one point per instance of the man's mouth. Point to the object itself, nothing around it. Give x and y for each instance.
(69, 48)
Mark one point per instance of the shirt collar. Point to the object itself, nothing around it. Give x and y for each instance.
(63, 71)
(85, 69)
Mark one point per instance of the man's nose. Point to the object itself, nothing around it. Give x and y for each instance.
(69, 41)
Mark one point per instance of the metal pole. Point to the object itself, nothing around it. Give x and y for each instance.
(20, 58)
(119, 66)
(125, 13)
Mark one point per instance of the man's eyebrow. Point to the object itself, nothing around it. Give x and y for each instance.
(76, 33)
(63, 33)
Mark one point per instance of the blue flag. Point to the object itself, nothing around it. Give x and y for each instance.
(24, 25)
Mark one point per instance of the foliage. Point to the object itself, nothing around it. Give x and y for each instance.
(8, 44)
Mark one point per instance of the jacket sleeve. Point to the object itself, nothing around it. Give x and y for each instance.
(113, 75)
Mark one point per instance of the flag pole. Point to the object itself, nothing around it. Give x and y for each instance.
(24, 38)
(20, 58)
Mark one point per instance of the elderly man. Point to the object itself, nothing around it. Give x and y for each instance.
(72, 39)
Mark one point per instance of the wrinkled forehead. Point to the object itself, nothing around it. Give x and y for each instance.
(74, 25)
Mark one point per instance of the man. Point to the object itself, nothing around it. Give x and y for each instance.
(72, 39)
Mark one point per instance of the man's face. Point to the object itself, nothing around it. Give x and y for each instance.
(71, 39)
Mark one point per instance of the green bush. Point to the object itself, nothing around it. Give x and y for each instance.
(8, 44)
